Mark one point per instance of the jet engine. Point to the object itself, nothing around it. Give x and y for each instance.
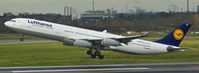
(110, 42)
(80, 43)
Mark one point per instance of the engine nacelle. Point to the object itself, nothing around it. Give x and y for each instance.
(80, 43)
(110, 42)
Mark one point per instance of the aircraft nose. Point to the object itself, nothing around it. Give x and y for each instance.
(7, 23)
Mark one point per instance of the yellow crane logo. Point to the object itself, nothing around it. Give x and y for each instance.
(178, 34)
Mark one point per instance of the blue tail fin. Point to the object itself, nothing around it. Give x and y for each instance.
(174, 38)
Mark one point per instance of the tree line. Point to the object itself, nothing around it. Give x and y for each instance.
(159, 21)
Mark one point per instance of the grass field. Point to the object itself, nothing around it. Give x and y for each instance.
(51, 54)
(16, 36)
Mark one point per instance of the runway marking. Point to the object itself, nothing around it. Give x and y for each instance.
(69, 70)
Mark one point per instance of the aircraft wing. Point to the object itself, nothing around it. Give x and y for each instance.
(124, 40)
(129, 38)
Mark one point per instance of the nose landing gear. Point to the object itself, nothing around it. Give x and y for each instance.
(21, 37)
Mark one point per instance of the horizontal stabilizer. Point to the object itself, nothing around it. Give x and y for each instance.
(177, 49)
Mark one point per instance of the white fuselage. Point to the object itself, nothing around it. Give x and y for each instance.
(60, 32)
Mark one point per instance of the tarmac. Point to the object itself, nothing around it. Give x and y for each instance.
(115, 68)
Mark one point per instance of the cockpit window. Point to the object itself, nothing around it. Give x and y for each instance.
(13, 21)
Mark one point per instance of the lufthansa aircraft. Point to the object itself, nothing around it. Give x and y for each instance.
(95, 40)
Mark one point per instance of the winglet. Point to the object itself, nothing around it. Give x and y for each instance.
(105, 31)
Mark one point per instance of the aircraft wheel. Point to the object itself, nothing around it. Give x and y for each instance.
(96, 53)
(89, 52)
(21, 39)
(93, 56)
(101, 57)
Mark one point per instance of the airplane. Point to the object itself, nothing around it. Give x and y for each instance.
(97, 40)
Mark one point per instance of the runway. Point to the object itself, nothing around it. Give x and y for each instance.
(7, 42)
(116, 68)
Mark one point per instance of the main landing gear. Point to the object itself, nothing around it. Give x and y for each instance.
(21, 37)
(95, 54)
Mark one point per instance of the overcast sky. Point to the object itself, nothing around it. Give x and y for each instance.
(56, 6)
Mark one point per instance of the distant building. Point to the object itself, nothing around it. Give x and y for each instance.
(131, 11)
(114, 12)
(109, 11)
(93, 15)
(198, 8)
(139, 11)
(96, 15)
